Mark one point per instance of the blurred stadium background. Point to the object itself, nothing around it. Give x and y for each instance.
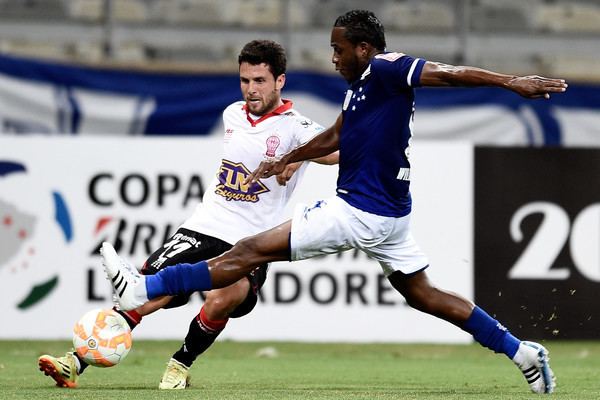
(506, 190)
(549, 37)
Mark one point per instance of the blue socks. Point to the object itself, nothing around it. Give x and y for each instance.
(491, 334)
(188, 278)
(179, 279)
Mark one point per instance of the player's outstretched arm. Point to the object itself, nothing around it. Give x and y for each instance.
(323, 144)
(532, 87)
(290, 169)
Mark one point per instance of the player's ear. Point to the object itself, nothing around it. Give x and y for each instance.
(363, 49)
(280, 82)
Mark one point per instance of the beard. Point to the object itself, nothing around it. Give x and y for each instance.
(269, 104)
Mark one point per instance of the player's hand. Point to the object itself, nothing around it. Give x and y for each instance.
(534, 87)
(266, 169)
(287, 173)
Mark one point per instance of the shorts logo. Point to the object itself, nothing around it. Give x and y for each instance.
(307, 210)
(231, 183)
(177, 245)
(272, 145)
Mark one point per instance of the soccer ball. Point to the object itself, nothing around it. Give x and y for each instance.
(102, 338)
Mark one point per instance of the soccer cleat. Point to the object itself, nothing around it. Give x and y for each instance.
(533, 361)
(176, 376)
(62, 369)
(128, 285)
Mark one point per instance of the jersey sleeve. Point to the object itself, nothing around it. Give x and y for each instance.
(398, 70)
(306, 129)
(228, 115)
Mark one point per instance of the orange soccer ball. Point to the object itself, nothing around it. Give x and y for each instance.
(102, 338)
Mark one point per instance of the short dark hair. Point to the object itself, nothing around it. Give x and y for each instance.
(265, 51)
(362, 26)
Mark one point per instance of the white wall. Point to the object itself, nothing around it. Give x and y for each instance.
(442, 223)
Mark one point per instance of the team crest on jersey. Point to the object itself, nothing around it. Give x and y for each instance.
(272, 145)
(231, 183)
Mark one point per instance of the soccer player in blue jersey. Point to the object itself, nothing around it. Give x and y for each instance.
(371, 210)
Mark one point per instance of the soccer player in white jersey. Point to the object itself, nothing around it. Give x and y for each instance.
(372, 208)
(260, 127)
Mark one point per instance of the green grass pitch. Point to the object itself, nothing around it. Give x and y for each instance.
(231, 370)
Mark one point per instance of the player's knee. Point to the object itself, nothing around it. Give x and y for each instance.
(417, 291)
(219, 304)
(217, 307)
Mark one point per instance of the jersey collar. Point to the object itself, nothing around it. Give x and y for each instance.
(287, 104)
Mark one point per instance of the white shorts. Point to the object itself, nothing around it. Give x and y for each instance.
(332, 226)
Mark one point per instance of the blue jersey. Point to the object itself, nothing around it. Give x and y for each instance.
(374, 171)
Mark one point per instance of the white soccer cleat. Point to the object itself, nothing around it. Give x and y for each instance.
(176, 376)
(128, 285)
(62, 369)
(533, 361)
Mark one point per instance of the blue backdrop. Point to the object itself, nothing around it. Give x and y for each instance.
(191, 104)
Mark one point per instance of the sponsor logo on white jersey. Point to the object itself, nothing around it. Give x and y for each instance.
(231, 183)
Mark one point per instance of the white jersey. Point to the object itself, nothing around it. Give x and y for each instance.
(231, 210)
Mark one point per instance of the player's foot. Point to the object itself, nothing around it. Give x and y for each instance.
(176, 376)
(128, 285)
(533, 361)
(62, 369)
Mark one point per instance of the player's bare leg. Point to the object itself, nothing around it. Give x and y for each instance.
(266, 247)
(153, 305)
(531, 358)
(133, 290)
(422, 295)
